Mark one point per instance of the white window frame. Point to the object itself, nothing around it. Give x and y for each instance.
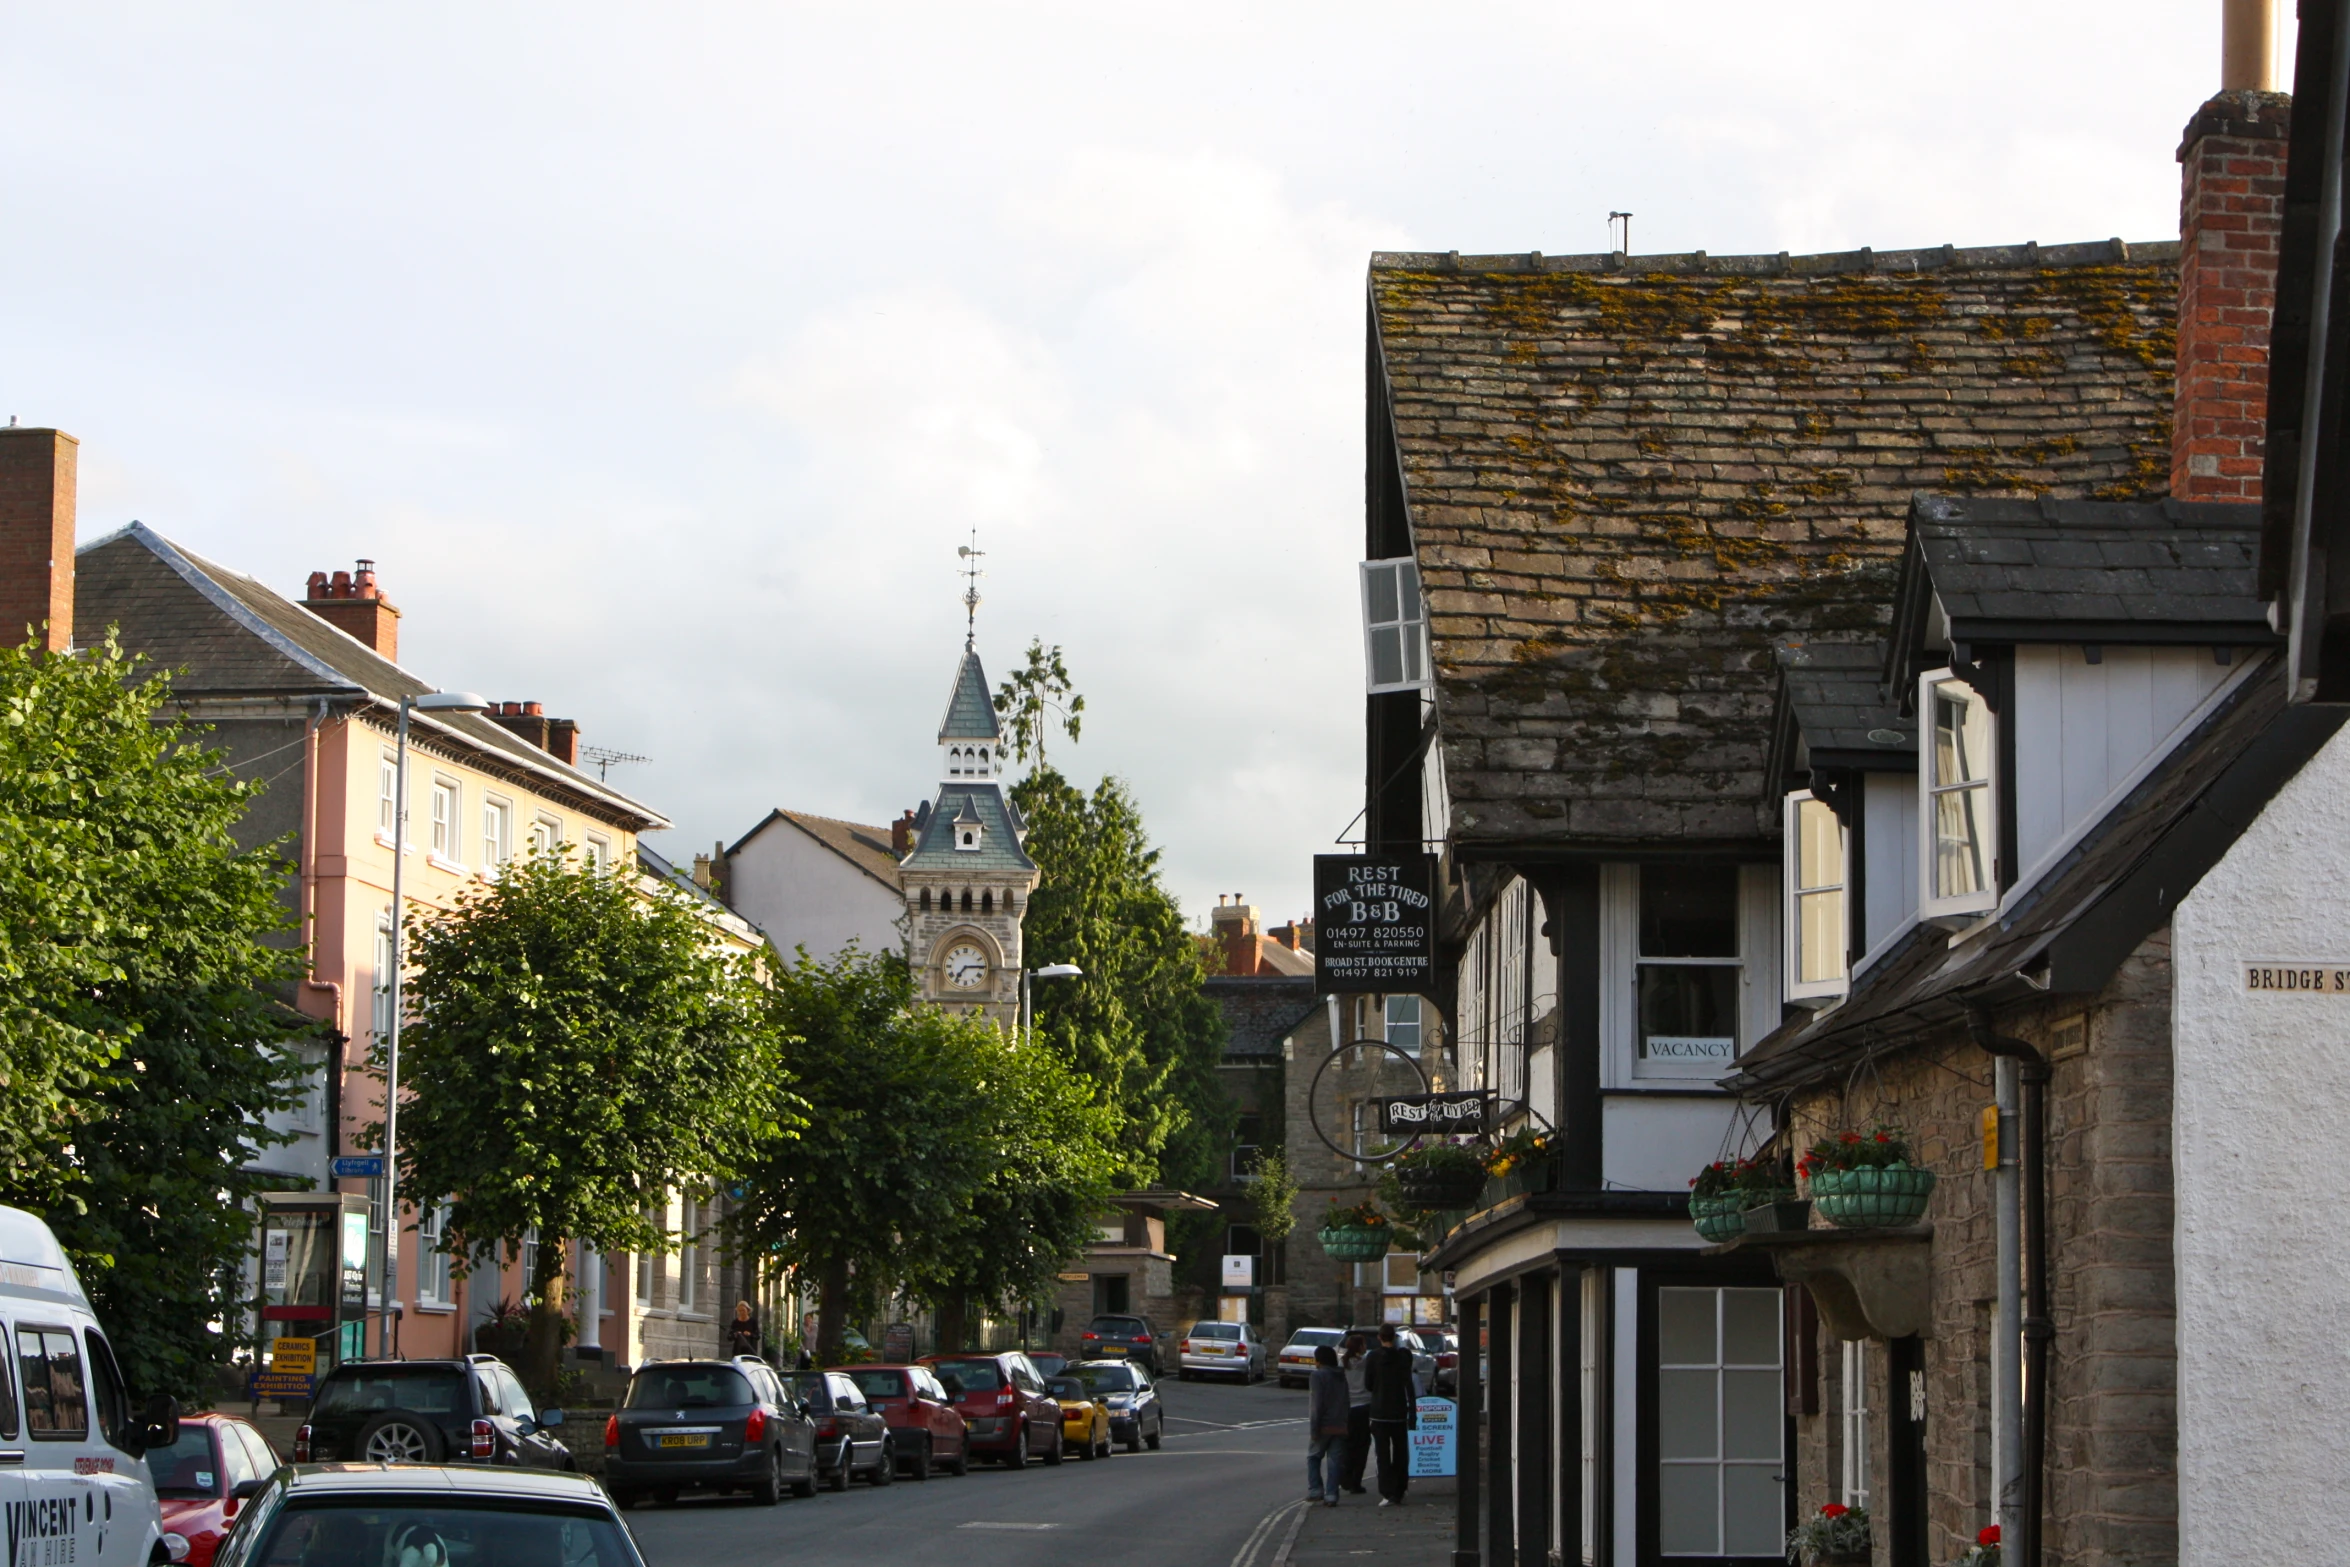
(1403, 620)
(1650, 1068)
(380, 1018)
(1963, 906)
(387, 796)
(432, 1267)
(1416, 1024)
(497, 833)
(689, 1258)
(599, 851)
(448, 802)
(546, 834)
(1794, 891)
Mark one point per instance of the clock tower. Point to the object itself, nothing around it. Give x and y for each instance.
(966, 875)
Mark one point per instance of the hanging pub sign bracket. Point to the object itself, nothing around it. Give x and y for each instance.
(1375, 924)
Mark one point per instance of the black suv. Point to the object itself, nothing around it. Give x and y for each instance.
(429, 1412)
(714, 1425)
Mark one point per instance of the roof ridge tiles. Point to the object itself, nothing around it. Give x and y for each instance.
(2097, 252)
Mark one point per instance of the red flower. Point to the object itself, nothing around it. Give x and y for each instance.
(1850, 1137)
(1989, 1536)
(1833, 1510)
(1881, 1137)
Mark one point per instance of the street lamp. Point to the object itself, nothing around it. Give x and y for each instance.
(389, 1252)
(1027, 1011)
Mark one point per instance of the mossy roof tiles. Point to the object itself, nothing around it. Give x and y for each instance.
(1628, 479)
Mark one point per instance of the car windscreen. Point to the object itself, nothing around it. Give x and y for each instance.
(1123, 1326)
(1106, 1379)
(1065, 1387)
(423, 1390)
(1310, 1337)
(977, 1376)
(1214, 1330)
(880, 1384)
(688, 1387)
(186, 1468)
(491, 1532)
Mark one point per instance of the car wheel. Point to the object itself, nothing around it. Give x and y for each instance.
(1059, 1448)
(624, 1498)
(1017, 1458)
(918, 1467)
(885, 1468)
(838, 1480)
(1134, 1442)
(1104, 1446)
(769, 1491)
(396, 1438)
(1158, 1434)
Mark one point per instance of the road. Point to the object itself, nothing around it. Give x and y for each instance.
(1234, 1458)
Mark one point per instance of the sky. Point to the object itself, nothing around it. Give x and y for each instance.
(662, 356)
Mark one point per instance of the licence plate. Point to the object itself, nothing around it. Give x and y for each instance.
(1113, 1349)
(683, 1439)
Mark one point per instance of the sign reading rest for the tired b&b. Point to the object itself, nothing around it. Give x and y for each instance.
(1375, 923)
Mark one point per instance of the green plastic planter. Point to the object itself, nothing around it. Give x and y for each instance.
(1869, 1199)
(1721, 1217)
(1353, 1244)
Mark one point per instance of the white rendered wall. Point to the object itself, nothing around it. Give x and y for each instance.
(1655, 1144)
(1889, 848)
(801, 894)
(2261, 1122)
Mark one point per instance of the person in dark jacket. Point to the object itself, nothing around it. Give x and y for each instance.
(1325, 1426)
(742, 1334)
(1387, 1371)
(1358, 1413)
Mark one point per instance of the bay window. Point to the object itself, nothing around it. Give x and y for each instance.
(1815, 878)
(1959, 874)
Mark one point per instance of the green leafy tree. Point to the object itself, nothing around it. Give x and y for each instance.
(143, 960)
(580, 1050)
(1038, 695)
(1272, 1197)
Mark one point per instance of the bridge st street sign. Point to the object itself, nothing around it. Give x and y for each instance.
(1375, 923)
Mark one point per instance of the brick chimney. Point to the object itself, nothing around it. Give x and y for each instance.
(558, 737)
(2231, 208)
(1235, 927)
(37, 470)
(1297, 935)
(351, 601)
(901, 835)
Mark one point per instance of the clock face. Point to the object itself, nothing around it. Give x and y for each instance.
(966, 966)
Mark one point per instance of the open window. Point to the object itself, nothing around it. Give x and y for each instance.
(1395, 626)
(1815, 878)
(1958, 874)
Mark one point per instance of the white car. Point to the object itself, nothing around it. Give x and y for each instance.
(1222, 1349)
(1296, 1363)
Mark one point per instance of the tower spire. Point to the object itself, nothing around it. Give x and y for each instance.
(972, 554)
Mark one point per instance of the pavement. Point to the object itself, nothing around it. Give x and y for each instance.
(1226, 1490)
(1358, 1532)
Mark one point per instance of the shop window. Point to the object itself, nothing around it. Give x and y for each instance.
(1721, 1417)
(1814, 916)
(1959, 812)
(1688, 970)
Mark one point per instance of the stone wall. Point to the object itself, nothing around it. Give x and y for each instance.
(2113, 1420)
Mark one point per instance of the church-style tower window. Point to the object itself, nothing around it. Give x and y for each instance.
(966, 900)
(926, 900)
(987, 902)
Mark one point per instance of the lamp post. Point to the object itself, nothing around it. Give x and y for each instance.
(1027, 1011)
(388, 1252)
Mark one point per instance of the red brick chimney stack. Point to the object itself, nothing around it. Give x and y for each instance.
(355, 604)
(901, 835)
(1234, 923)
(37, 473)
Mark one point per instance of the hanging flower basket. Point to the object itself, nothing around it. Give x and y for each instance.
(1873, 1196)
(1440, 1190)
(1353, 1244)
(1721, 1217)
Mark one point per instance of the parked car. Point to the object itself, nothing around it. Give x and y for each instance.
(1296, 1362)
(204, 1479)
(1220, 1349)
(1085, 1419)
(1012, 1417)
(925, 1428)
(1115, 1337)
(708, 1425)
(429, 1412)
(1136, 1418)
(340, 1513)
(852, 1437)
(1423, 1359)
(1049, 1362)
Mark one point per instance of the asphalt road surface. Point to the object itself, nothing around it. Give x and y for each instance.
(1218, 1494)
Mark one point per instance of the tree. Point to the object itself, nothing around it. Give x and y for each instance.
(1035, 695)
(1139, 1023)
(580, 1050)
(143, 1032)
(940, 1157)
(1272, 1198)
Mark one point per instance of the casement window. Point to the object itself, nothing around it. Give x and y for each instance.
(1395, 625)
(432, 1266)
(1959, 811)
(546, 835)
(1688, 971)
(599, 852)
(444, 820)
(1403, 1023)
(387, 796)
(1817, 940)
(497, 834)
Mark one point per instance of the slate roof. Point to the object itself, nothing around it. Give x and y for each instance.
(1627, 480)
(970, 714)
(230, 636)
(867, 848)
(1832, 713)
(999, 845)
(1260, 1012)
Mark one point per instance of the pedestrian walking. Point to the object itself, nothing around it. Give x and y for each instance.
(1387, 1371)
(1326, 1409)
(742, 1334)
(1358, 1412)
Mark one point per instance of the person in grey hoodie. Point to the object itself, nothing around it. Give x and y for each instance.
(1326, 1409)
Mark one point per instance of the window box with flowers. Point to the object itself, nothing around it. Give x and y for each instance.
(1723, 1191)
(1835, 1536)
(1522, 1162)
(1984, 1552)
(1867, 1182)
(1357, 1234)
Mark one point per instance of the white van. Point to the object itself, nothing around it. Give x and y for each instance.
(74, 1487)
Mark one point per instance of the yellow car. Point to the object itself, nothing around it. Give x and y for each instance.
(1085, 1420)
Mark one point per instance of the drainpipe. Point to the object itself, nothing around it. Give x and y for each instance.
(2031, 1073)
(2007, 1340)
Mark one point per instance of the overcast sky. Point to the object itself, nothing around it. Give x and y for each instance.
(662, 355)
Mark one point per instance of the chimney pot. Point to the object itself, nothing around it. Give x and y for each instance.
(535, 709)
(364, 581)
(357, 607)
(318, 585)
(37, 481)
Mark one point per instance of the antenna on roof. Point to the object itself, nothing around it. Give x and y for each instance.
(972, 555)
(1622, 242)
(604, 756)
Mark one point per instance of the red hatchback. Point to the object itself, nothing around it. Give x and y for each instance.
(1012, 1417)
(924, 1427)
(203, 1479)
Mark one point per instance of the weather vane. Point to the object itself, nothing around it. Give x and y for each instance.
(972, 555)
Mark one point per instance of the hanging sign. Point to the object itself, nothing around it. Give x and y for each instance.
(1375, 923)
(1440, 1114)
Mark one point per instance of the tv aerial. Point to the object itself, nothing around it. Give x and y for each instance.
(605, 757)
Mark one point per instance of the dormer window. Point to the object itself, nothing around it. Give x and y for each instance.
(1959, 873)
(1395, 625)
(1815, 879)
(966, 836)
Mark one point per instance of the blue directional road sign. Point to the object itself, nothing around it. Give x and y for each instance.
(352, 1167)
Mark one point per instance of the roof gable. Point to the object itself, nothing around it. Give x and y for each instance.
(866, 848)
(1832, 714)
